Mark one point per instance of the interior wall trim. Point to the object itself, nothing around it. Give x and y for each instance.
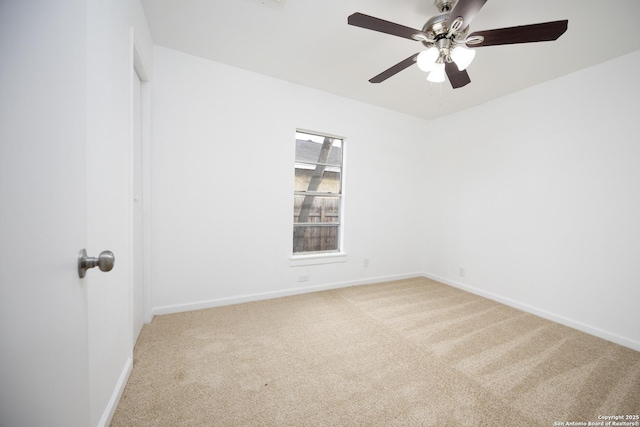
(583, 327)
(219, 302)
(111, 407)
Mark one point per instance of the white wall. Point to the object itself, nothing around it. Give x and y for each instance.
(110, 26)
(222, 178)
(537, 196)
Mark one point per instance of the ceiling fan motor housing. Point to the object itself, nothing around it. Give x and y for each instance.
(437, 27)
(444, 5)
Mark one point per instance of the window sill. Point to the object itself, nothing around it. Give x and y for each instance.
(317, 259)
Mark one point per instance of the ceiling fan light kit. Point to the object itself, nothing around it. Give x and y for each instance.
(427, 59)
(446, 37)
(437, 73)
(462, 56)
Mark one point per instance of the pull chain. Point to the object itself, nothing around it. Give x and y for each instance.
(439, 92)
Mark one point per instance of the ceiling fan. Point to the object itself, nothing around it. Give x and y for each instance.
(447, 39)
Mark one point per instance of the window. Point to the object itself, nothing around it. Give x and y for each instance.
(317, 206)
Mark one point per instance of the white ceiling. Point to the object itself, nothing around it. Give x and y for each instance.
(309, 42)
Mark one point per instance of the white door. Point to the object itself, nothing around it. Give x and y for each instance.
(138, 251)
(44, 362)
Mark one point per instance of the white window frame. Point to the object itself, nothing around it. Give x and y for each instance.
(334, 256)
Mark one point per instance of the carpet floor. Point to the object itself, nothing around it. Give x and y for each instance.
(403, 353)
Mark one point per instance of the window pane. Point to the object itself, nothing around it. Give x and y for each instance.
(316, 209)
(315, 239)
(309, 150)
(329, 179)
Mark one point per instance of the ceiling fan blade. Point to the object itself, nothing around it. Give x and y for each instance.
(387, 27)
(394, 70)
(467, 10)
(456, 77)
(543, 32)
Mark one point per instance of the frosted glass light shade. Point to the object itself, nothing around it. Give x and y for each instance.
(437, 74)
(427, 59)
(462, 56)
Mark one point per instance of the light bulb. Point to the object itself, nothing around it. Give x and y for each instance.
(462, 56)
(427, 59)
(437, 74)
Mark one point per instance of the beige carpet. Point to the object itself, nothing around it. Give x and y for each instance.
(403, 353)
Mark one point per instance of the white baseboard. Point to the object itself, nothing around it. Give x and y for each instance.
(117, 393)
(218, 302)
(632, 344)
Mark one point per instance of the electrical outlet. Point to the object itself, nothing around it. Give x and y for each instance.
(303, 277)
(462, 272)
(365, 263)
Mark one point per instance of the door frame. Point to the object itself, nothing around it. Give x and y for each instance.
(140, 66)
